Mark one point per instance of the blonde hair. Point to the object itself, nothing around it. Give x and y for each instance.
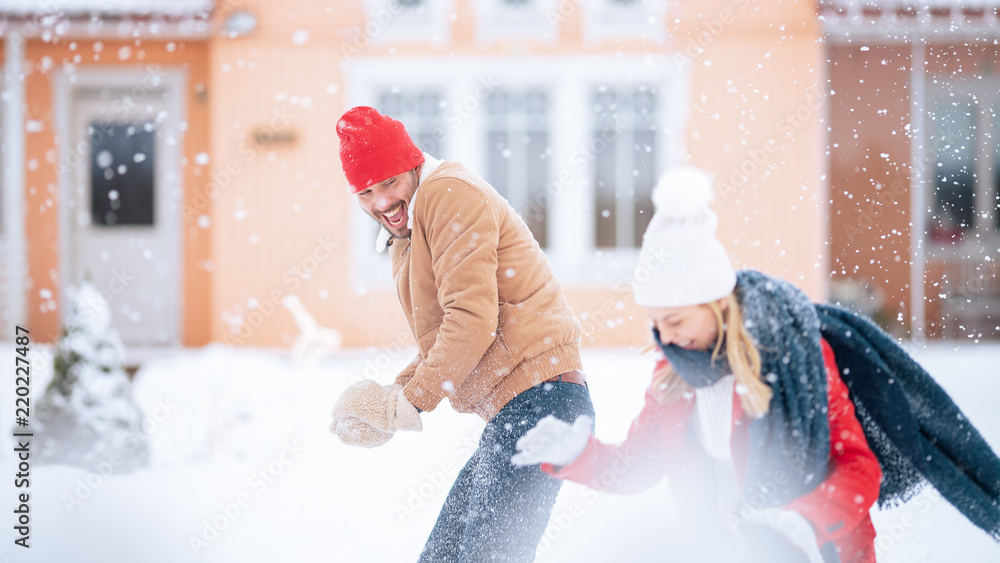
(743, 356)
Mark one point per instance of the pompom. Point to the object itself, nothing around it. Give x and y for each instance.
(683, 192)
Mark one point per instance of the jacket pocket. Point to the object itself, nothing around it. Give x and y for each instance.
(509, 333)
(427, 338)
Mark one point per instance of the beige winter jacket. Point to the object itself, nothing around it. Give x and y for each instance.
(487, 312)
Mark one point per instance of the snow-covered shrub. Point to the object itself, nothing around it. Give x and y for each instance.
(87, 416)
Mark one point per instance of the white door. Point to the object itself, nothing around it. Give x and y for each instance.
(123, 211)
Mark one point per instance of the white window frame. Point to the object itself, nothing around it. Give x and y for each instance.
(465, 83)
(499, 20)
(388, 22)
(608, 19)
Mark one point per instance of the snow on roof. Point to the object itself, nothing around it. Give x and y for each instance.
(116, 7)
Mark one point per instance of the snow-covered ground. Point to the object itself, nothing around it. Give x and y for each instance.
(244, 469)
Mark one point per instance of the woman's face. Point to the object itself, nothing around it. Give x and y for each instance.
(692, 328)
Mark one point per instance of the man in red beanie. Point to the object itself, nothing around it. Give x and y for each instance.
(493, 329)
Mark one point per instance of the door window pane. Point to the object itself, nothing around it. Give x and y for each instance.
(121, 173)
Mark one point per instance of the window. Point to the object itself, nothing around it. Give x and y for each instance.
(965, 202)
(121, 173)
(391, 21)
(624, 19)
(519, 151)
(624, 140)
(953, 210)
(577, 159)
(505, 20)
(421, 111)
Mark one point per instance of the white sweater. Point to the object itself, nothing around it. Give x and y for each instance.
(714, 417)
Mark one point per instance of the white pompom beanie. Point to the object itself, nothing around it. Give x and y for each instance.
(681, 263)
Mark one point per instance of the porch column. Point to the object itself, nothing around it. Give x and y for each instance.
(918, 177)
(13, 180)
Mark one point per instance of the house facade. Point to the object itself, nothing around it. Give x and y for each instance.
(185, 158)
(914, 161)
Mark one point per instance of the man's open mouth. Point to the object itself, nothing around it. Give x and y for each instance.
(396, 216)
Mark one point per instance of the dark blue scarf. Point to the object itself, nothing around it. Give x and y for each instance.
(790, 445)
(914, 428)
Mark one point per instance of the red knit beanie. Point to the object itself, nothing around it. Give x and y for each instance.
(374, 147)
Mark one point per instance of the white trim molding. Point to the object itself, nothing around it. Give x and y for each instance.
(898, 21)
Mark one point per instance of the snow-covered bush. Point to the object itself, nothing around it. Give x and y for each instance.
(87, 416)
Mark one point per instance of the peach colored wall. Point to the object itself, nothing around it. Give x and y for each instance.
(293, 193)
(766, 61)
(41, 180)
(757, 120)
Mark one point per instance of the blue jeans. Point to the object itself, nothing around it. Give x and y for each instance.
(497, 511)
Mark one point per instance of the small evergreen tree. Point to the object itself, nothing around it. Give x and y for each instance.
(87, 416)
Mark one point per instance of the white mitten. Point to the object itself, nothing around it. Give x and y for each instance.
(793, 526)
(553, 441)
(356, 432)
(369, 413)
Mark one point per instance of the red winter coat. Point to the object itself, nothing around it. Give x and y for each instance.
(658, 445)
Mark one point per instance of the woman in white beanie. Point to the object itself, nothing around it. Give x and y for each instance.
(749, 410)
(740, 416)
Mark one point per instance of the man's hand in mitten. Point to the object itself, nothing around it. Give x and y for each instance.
(356, 432)
(553, 441)
(381, 407)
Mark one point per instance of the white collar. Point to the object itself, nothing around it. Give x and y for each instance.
(430, 165)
